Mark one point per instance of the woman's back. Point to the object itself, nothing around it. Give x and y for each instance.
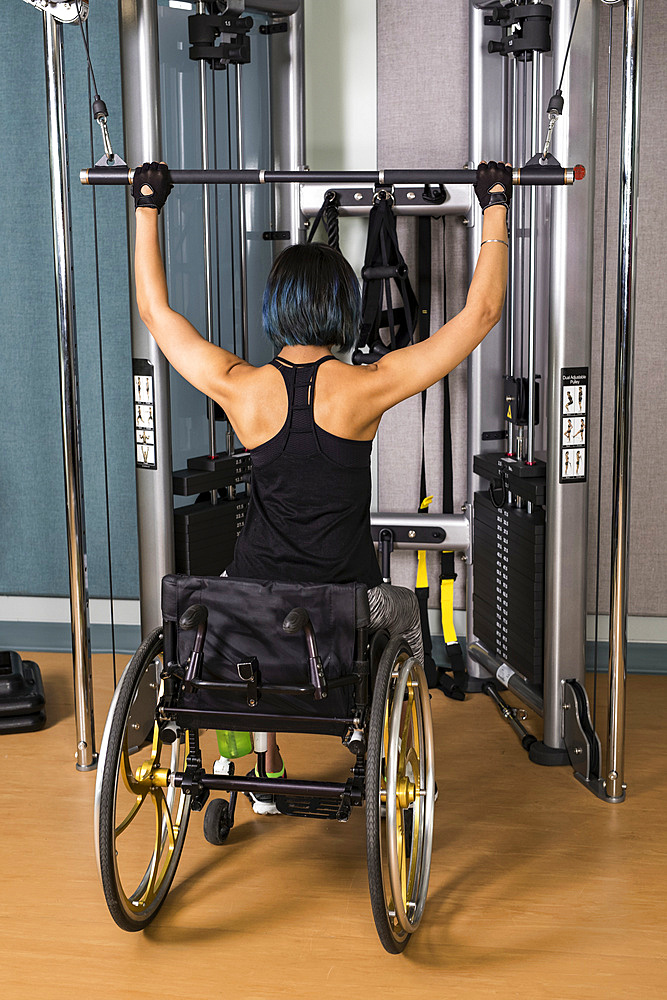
(308, 517)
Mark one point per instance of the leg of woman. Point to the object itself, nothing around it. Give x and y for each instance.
(397, 610)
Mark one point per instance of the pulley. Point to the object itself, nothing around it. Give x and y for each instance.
(65, 11)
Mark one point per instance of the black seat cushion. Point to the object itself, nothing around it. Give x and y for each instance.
(245, 619)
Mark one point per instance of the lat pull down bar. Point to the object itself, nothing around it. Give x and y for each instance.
(531, 176)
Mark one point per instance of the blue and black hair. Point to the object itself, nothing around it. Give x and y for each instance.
(312, 298)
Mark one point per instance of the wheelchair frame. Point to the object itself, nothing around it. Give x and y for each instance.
(389, 734)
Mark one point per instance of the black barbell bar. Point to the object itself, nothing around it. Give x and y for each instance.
(531, 176)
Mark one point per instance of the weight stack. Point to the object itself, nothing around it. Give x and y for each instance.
(205, 535)
(508, 590)
(21, 695)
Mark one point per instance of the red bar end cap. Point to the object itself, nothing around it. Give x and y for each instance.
(579, 172)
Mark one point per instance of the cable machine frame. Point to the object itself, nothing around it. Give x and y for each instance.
(140, 61)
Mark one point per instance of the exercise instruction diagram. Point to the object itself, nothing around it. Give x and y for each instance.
(574, 424)
(144, 414)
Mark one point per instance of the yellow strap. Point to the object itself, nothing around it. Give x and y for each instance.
(447, 611)
(422, 574)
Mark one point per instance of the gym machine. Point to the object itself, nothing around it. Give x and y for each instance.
(528, 502)
(292, 184)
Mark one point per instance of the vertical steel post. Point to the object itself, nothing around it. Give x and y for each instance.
(570, 318)
(513, 156)
(532, 279)
(141, 125)
(288, 118)
(206, 210)
(86, 757)
(625, 333)
(487, 363)
(243, 223)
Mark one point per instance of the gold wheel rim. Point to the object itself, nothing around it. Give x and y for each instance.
(148, 795)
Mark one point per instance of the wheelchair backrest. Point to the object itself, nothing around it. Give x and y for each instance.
(245, 619)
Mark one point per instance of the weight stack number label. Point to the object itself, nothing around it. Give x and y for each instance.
(144, 414)
(573, 425)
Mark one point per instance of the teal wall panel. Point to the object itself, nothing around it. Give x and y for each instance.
(33, 554)
(33, 549)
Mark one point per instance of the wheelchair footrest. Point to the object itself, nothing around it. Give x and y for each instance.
(317, 808)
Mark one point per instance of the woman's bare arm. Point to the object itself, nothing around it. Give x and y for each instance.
(204, 365)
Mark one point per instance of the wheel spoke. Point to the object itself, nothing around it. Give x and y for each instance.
(163, 825)
(127, 774)
(130, 816)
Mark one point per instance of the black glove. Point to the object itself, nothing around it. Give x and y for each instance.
(488, 175)
(155, 176)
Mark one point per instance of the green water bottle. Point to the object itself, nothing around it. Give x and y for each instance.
(232, 744)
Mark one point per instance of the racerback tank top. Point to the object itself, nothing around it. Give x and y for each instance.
(308, 518)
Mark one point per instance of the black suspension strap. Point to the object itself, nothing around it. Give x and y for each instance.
(423, 332)
(102, 395)
(384, 263)
(328, 215)
(453, 686)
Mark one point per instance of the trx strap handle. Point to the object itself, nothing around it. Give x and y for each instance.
(328, 215)
(384, 263)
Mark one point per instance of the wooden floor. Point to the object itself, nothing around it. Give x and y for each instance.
(538, 890)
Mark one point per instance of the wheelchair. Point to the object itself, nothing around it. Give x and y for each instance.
(255, 656)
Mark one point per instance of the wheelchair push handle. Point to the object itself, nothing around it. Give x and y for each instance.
(196, 616)
(298, 620)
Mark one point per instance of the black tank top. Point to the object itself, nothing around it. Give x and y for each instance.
(308, 518)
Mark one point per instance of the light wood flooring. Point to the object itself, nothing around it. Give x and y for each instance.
(538, 890)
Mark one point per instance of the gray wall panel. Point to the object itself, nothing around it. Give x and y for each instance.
(422, 121)
(647, 588)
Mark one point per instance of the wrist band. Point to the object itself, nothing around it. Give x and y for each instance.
(494, 241)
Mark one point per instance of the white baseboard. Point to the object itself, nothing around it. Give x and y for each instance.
(641, 628)
(56, 610)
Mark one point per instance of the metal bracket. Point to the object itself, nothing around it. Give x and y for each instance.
(434, 532)
(582, 742)
(357, 199)
(64, 11)
(248, 671)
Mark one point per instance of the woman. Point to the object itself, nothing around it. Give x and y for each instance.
(308, 419)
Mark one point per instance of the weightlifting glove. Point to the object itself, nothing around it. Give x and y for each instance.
(156, 177)
(488, 176)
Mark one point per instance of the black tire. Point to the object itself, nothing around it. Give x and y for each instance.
(392, 937)
(217, 826)
(134, 907)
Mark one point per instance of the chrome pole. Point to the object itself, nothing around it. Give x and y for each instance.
(288, 129)
(625, 332)
(206, 209)
(532, 279)
(243, 224)
(512, 150)
(86, 757)
(138, 29)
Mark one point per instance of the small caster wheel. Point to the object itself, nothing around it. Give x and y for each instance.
(217, 826)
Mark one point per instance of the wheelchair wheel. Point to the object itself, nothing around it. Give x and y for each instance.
(141, 821)
(400, 795)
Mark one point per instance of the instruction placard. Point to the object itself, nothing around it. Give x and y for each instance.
(574, 425)
(144, 414)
